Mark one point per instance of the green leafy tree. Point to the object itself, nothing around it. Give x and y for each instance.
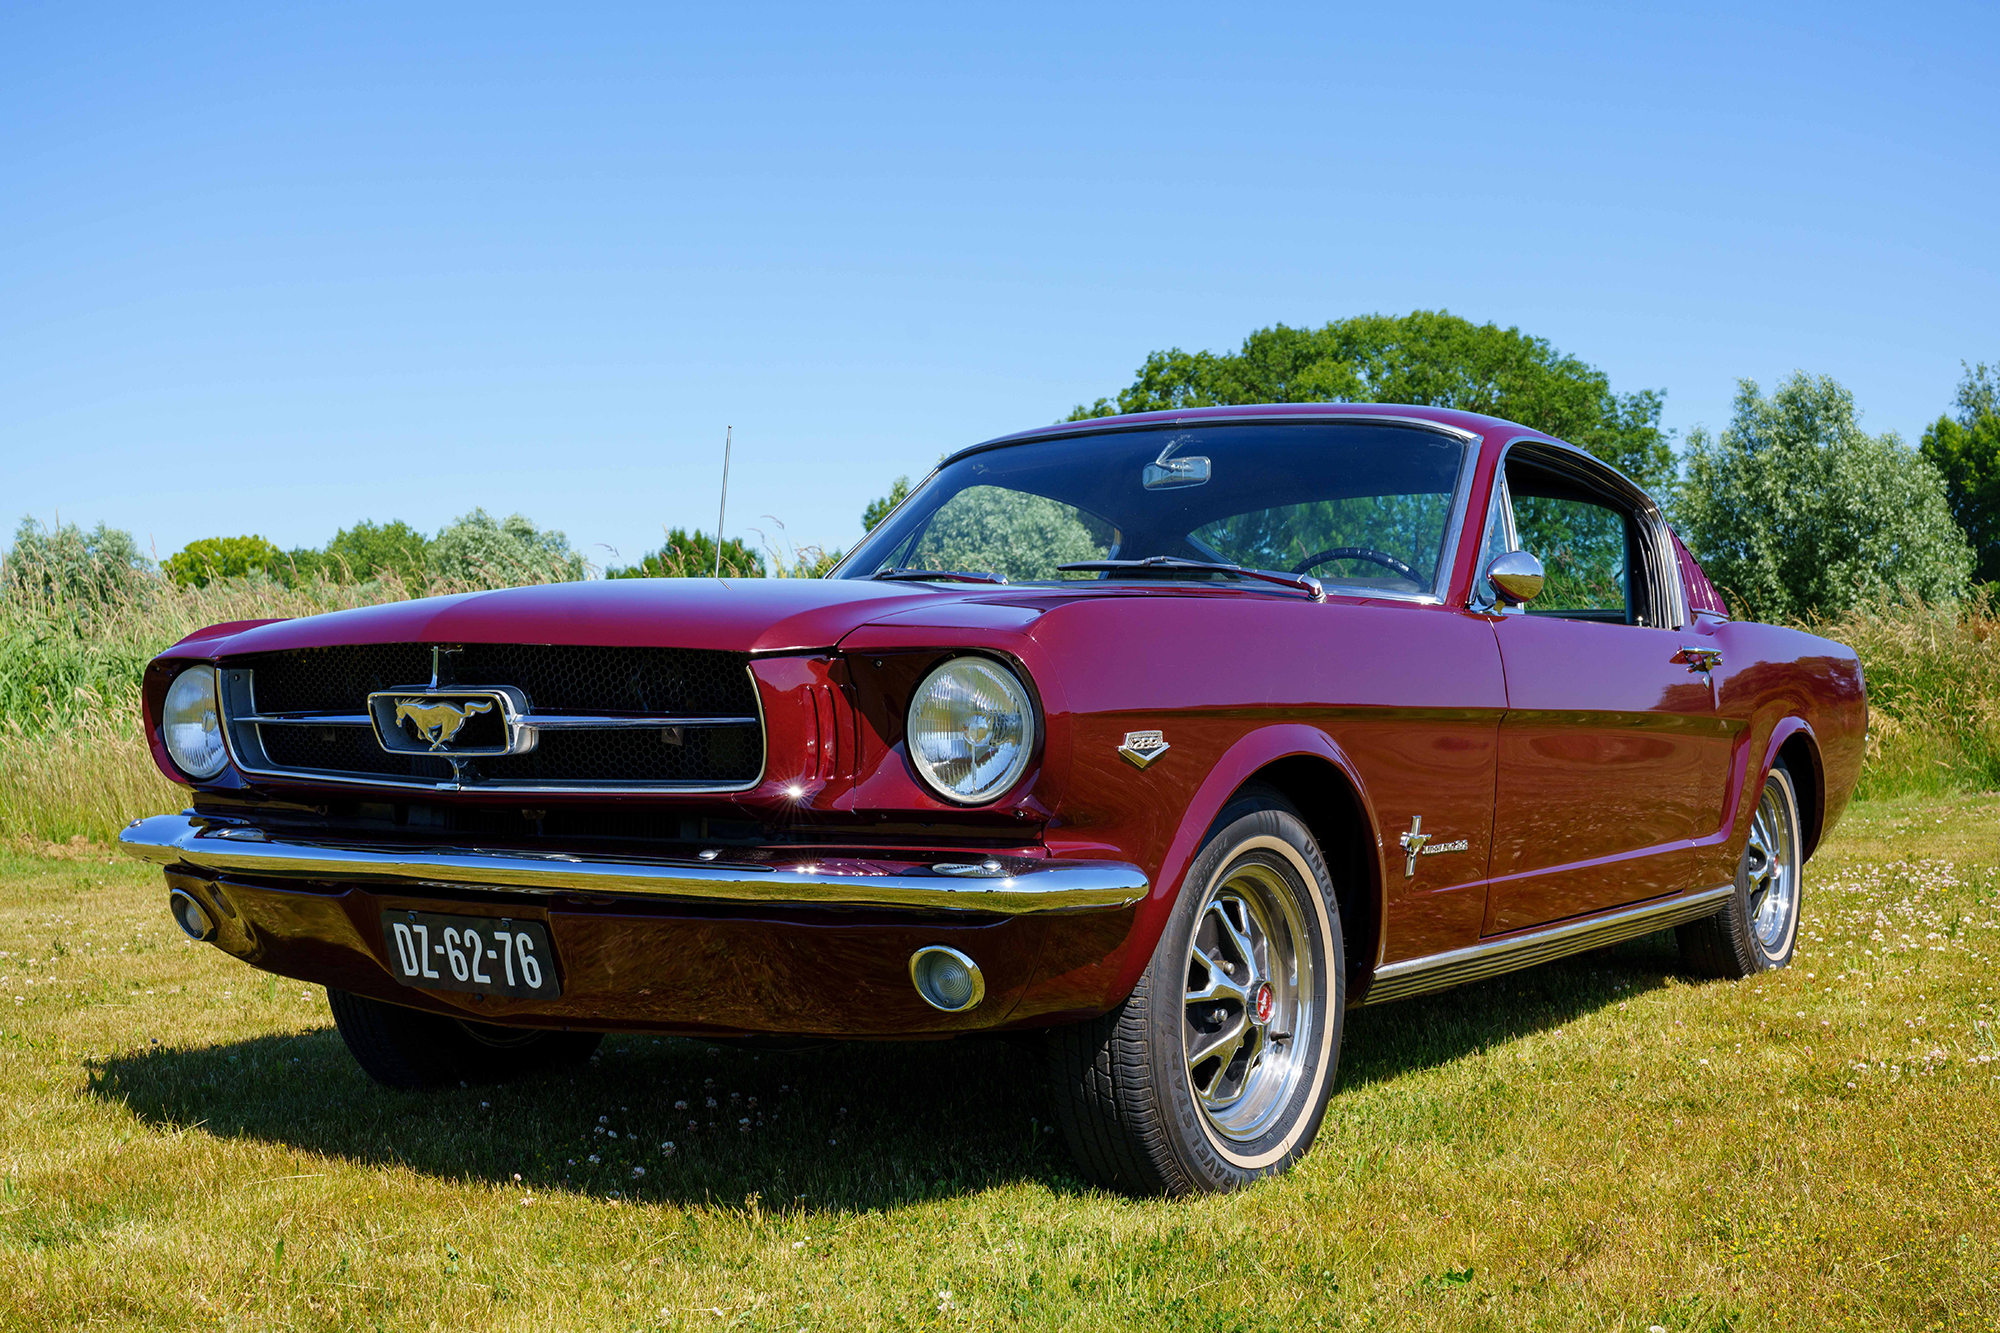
(878, 510)
(691, 555)
(1966, 452)
(1426, 358)
(369, 550)
(66, 567)
(990, 529)
(479, 549)
(202, 562)
(1797, 510)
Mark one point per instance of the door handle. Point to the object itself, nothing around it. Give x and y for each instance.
(1699, 660)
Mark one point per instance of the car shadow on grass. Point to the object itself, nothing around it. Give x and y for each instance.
(1382, 1043)
(849, 1127)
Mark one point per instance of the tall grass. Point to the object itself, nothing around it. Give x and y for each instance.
(1933, 672)
(72, 761)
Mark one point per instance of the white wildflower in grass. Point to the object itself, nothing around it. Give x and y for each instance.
(681, 1105)
(595, 1159)
(638, 1172)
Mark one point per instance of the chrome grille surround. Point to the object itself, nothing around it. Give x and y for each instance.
(605, 719)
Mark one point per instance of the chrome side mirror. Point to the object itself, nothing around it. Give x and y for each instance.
(1517, 576)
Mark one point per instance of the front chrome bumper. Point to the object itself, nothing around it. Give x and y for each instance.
(1015, 886)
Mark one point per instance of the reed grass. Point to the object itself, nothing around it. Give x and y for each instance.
(72, 761)
(1933, 673)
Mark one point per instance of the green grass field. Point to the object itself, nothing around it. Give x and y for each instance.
(1598, 1144)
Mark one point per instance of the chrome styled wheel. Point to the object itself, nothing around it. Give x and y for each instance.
(1247, 1012)
(1758, 926)
(1771, 872)
(1216, 1070)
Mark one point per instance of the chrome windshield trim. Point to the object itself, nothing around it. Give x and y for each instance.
(1029, 887)
(1489, 958)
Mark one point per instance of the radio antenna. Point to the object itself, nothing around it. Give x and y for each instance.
(727, 433)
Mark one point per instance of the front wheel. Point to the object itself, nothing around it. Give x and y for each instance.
(406, 1048)
(1215, 1071)
(1759, 927)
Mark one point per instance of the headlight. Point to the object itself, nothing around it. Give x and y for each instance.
(971, 729)
(191, 724)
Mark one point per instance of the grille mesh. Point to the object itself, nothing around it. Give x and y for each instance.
(663, 682)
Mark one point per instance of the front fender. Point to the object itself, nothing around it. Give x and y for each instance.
(1239, 764)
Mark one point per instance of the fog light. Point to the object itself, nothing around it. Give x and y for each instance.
(947, 979)
(191, 916)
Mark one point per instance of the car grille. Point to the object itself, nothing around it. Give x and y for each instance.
(681, 718)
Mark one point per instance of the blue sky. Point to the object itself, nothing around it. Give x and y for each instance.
(274, 269)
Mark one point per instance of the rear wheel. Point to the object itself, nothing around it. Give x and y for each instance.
(1215, 1071)
(1759, 927)
(406, 1048)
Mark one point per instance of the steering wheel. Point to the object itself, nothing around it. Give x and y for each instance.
(1389, 562)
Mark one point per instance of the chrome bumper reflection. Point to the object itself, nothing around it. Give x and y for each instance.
(1013, 887)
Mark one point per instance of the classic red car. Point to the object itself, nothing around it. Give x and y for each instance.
(1174, 735)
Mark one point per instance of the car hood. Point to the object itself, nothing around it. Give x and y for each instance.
(739, 615)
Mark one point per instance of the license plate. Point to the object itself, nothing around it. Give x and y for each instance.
(487, 955)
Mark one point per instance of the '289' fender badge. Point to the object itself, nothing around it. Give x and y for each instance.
(1143, 747)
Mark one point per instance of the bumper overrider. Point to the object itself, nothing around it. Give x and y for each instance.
(673, 945)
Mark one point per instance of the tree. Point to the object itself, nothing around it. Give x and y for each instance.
(1426, 358)
(1966, 451)
(476, 549)
(369, 549)
(201, 562)
(990, 529)
(691, 555)
(1797, 510)
(878, 510)
(69, 567)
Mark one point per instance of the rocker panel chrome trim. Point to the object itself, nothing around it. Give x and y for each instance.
(1415, 976)
(1042, 886)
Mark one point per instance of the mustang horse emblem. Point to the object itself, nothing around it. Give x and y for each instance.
(437, 723)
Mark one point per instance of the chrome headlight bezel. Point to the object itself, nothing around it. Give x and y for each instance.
(1016, 727)
(191, 724)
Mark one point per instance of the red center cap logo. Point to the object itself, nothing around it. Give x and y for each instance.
(1266, 1002)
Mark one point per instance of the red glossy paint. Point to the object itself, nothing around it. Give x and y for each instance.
(1613, 760)
(1579, 765)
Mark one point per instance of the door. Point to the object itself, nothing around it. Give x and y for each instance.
(1611, 758)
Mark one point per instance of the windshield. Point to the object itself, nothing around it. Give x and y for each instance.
(1362, 506)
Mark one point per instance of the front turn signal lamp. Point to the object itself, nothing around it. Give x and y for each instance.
(191, 724)
(971, 730)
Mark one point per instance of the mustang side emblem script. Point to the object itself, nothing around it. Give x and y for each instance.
(1418, 843)
(1143, 747)
(438, 722)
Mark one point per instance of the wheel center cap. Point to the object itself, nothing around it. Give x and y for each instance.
(1265, 1002)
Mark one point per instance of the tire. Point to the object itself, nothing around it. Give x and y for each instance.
(406, 1048)
(1140, 1117)
(1759, 927)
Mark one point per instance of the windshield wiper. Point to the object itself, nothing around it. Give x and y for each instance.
(937, 576)
(1305, 583)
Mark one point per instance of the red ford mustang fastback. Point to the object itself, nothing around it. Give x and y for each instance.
(1174, 735)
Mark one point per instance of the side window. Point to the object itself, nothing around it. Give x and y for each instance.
(1585, 545)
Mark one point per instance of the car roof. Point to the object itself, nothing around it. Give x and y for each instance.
(1449, 419)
